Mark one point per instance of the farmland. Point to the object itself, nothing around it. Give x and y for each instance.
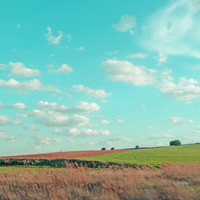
(155, 156)
(69, 154)
(74, 181)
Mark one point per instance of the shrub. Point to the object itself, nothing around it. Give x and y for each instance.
(113, 148)
(103, 148)
(175, 143)
(137, 147)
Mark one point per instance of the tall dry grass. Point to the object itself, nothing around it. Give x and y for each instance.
(171, 181)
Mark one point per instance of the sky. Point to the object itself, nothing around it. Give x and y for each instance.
(82, 75)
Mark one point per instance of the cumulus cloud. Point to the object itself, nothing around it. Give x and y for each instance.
(137, 55)
(120, 120)
(174, 30)
(105, 121)
(88, 132)
(18, 105)
(58, 120)
(54, 40)
(151, 127)
(82, 107)
(180, 121)
(184, 90)
(127, 72)
(19, 70)
(39, 141)
(22, 115)
(126, 24)
(17, 122)
(64, 68)
(91, 92)
(5, 120)
(37, 113)
(33, 84)
(32, 127)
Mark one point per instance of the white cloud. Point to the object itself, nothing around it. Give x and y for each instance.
(4, 120)
(1, 104)
(79, 48)
(33, 84)
(144, 105)
(70, 140)
(91, 92)
(46, 140)
(196, 130)
(105, 121)
(104, 100)
(18, 26)
(88, 132)
(161, 136)
(82, 107)
(126, 23)
(32, 127)
(151, 127)
(17, 122)
(64, 68)
(59, 120)
(137, 55)
(22, 115)
(18, 105)
(55, 40)
(120, 121)
(162, 58)
(37, 113)
(19, 70)
(127, 72)
(184, 90)
(180, 121)
(69, 37)
(174, 30)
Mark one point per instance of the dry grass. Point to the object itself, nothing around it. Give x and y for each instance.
(171, 181)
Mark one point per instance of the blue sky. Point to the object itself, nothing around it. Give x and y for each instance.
(82, 75)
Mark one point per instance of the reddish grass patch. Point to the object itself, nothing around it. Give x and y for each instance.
(69, 154)
(171, 182)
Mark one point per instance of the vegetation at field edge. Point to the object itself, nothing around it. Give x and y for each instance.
(171, 181)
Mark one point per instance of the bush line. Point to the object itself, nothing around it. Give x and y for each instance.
(65, 163)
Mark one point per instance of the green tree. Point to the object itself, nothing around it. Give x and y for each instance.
(175, 143)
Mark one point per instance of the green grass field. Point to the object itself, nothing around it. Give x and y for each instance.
(173, 154)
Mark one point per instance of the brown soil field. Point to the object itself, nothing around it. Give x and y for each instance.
(69, 154)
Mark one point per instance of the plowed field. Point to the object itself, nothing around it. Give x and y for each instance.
(69, 154)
